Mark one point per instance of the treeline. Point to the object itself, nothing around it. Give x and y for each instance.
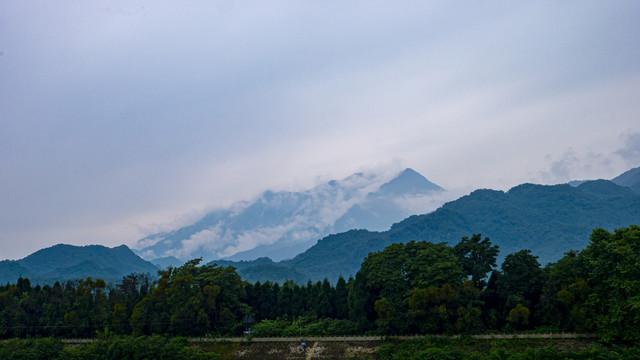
(412, 288)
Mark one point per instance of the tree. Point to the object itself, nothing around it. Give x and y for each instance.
(477, 257)
(521, 279)
(192, 300)
(519, 316)
(326, 300)
(388, 279)
(565, 292)
(614, 259)
(341, 299)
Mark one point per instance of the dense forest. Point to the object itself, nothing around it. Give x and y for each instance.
(412, 288)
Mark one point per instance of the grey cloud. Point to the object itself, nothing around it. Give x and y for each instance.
(572, 165)
(118, 112)
(630, 152)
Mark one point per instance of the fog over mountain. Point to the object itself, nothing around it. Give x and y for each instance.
(283, 224)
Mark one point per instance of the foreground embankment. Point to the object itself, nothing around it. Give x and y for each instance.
(521, 346)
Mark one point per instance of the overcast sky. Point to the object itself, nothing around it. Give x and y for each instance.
(120, 118)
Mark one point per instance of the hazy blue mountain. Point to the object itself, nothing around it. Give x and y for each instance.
(279, 250)
(272, 273)
(548, 220)
(263, 269)
(576, 183)
(282, 224)
(409, 182)
(68, 262)
(383, 207)
(168, 261)
(243, 264)
(11, 270)
(630, 179)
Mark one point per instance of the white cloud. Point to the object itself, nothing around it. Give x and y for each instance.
(206, 240)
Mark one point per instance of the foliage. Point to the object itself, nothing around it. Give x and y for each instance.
(477, 257)
(111, 348)
(192, 300)
(306, 326)
(548, 220)
(412, 288)
(426, 348)
(614, 278)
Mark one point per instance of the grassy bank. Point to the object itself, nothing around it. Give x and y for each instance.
(428, 348)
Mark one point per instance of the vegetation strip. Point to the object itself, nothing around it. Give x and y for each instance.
(369, 338)
(423, 348)
(408, 288)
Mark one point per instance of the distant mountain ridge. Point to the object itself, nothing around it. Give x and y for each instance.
(548, 220)
(629, 179)
(67, 262)
(283, 224)
(263, 269)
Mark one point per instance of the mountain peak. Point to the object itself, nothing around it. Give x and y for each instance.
(630, 179)
(409, 181)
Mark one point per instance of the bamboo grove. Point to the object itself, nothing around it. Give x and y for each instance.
(412, 288)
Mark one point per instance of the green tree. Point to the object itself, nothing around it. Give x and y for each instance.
(521, 279)
(341, 299)
(565, 292)
(477, 257)
(388, 279)
(192, 300)
(614, 259)
(326, 299)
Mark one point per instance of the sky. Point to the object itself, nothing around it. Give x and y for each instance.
(122, 118)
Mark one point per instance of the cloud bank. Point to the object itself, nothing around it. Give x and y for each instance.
(120, 116)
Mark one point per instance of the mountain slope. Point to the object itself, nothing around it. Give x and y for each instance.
(68, 262)
(165, 262)
(408, 182)
(263, 269)
(630, 179)
(11, 270)
(548, 220)
(283, 224)
(382, 208)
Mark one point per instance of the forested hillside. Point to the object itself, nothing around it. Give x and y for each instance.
(548, 220)
(67, 262)
(630, 179)
(408, 288)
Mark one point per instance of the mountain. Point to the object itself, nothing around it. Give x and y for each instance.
(548, 220)
(67, 262)
(409, 182)
(263, 269)
(168, 261)
(630, 179)
(282, 224)
(384, 206)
